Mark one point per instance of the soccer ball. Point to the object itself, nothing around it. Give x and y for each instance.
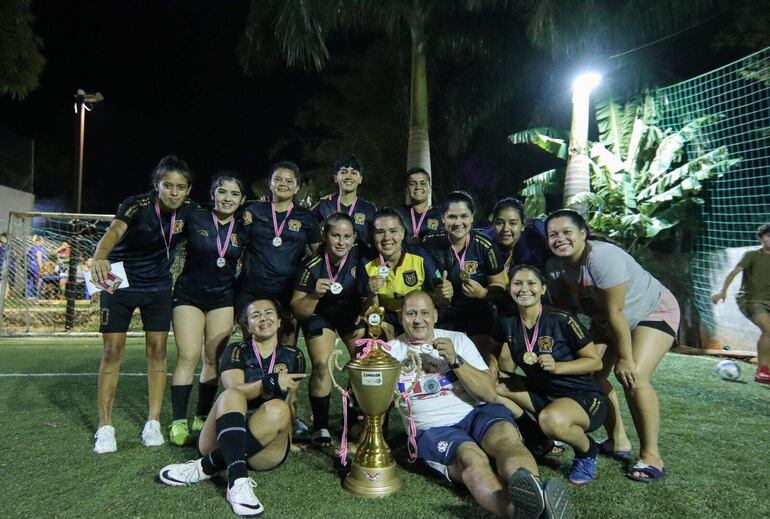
(728, 370)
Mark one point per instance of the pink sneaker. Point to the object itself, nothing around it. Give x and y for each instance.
(762, 375)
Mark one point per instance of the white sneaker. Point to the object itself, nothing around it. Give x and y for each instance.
(151, 435)
(242, 499)
(180, 474)
(105, 440)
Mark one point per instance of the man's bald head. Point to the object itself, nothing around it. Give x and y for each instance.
(418, 315)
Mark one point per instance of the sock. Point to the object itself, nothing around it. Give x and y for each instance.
(253, 445)
(592, 452)
(213, 463)
(533, 436)
(207, 392)
(320, 407)
(231, 438)
(180, 396)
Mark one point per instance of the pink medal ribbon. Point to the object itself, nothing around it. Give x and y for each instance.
(170, 231)
(220, 249)
(352, 206)
(259, 357)
(279, 230)
(530, 357)
(339, 269)
(416, 228)
(461, 259)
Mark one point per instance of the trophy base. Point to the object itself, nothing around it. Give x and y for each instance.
(372, 482)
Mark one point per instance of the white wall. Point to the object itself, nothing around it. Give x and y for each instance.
(13, 200)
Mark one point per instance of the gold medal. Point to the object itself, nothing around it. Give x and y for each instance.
(530, 358)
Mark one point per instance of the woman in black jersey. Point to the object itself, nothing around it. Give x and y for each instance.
(277, 235)
(520, 243)
(143, 236)
(326, 300)
(250, 426)
(557, 356)
(472, 271)
(204, 299)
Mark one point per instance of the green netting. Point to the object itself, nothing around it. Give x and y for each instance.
(740, 200)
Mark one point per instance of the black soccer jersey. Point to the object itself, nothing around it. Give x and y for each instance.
(271, 269)
(425, 223)
(201, 277)
(243, 356)
(142, 248)
(332, 306)
(361, 213)
(482, 259)
(560, 335)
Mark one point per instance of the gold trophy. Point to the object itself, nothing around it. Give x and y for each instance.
(373, 377)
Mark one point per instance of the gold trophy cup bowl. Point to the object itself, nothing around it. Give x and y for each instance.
(373, 379)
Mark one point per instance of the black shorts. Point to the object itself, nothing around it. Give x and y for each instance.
(245, 296)
(473, 320)
(594, 404)
(118, 308)
(203, 300)
(344, 324)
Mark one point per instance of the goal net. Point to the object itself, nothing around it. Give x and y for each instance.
(42, 288)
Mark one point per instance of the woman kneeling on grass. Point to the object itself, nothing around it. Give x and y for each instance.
(557, 357)
(250, 426)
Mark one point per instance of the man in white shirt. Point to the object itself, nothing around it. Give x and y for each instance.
(459, 434)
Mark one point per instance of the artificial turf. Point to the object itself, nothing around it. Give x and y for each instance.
(714, 439)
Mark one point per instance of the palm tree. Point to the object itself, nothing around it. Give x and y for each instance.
(296, 32)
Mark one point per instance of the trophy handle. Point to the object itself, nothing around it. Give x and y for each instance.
(333, 363)
(415, 366)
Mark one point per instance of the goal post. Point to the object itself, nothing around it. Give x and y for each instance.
(42, 286)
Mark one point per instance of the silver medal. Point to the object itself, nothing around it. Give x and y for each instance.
(384, 271)
(336, 288)
(277, 241)
(221, 262)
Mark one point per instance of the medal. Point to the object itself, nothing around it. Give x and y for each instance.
(259, 357)
(530, 357)
(416, 225)
(383, 271)
(336, 287)
(461, 259)
(222, 249)
(170, 230)
(431, 386)
(277, 241)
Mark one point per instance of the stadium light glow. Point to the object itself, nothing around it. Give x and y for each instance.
(586, 82)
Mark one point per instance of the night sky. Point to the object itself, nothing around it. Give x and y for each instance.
(171, 83)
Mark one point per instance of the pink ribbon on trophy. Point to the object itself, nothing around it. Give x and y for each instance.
(411, 442)
(344, 441)
(367, 345)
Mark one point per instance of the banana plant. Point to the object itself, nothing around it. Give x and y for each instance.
(643, 179)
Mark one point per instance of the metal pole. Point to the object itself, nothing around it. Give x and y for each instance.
(79, 165)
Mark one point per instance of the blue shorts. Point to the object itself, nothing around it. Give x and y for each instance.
(437, 446)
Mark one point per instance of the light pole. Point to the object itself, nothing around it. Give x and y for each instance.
(577, 178)
(83, 103)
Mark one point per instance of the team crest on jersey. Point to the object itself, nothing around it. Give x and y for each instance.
(295, 225)
(234, 240)
(359, 218)
(203, 232)
(178, 225)
(432, 224)
(471, 267)
(410, 278)
(281, 368)
(545, 344)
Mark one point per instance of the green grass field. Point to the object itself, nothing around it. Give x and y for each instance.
(714, 439)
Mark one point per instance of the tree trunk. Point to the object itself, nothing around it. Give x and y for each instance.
(418, 148)
(577, 178)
